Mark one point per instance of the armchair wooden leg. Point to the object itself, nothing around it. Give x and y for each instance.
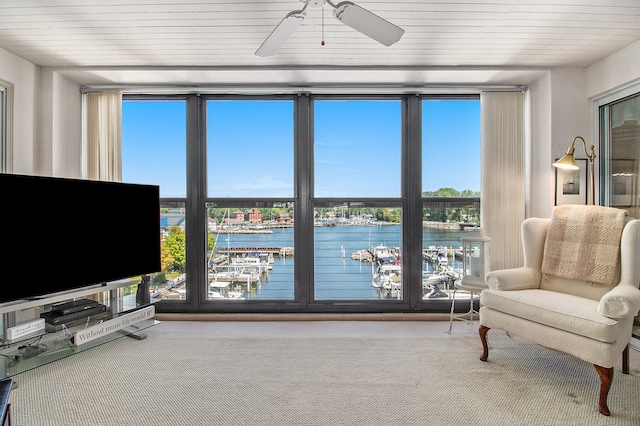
(483, 338)
(625, 360)
(606, 377)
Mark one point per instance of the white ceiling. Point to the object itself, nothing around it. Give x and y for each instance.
(213, 41)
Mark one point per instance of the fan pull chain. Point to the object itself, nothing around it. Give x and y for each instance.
(322, 43)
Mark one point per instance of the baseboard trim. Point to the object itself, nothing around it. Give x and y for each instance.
(302, 317)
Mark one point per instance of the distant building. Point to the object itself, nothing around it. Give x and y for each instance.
(254, 216)
(284, 218)
(237, 216)
(168, 220)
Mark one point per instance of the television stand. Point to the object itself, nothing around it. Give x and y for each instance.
(134, 334)
(125, 317)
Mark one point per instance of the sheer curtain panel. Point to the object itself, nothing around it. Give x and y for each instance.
(103, 135)
(503, 175)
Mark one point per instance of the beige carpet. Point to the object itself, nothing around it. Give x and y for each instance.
(435, 380)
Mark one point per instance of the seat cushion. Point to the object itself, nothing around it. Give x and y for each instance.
(563, 311)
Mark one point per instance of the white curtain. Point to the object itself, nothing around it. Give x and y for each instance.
(503, 175)
(103, 136)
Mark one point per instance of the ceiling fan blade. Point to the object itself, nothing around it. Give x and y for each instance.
(281, 33)
(368, 23)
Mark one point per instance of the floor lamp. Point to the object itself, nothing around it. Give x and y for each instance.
(568, 162)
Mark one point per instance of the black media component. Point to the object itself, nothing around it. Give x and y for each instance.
(62, 234)
(66, 308)
(143, 297)
(55, 318)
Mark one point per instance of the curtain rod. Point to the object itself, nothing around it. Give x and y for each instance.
(396, 89)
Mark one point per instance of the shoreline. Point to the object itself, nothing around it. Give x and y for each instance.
(456, 226)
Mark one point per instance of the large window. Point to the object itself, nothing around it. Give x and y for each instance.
(450, 187)
(154, 145)
(305, 203)
(250, 148)
(357, 155)
(250, 155)
(250, 251)
(357, 147)
(357, 247)
(154, 152)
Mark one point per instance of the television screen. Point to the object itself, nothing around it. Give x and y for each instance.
(61, 234)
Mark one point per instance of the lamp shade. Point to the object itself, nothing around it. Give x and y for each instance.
(567, 162)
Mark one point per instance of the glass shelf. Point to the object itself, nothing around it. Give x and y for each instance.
(58, 345)
(45, 346)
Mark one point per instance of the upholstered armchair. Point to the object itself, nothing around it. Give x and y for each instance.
(577, 291)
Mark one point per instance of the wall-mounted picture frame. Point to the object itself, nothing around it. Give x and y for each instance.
(571, 185)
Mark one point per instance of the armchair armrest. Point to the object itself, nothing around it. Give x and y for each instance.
(513, 279)
(622, 301)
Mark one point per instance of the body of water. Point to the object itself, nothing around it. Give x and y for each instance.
(337, 276)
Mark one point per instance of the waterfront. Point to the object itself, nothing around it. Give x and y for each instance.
(337, 276)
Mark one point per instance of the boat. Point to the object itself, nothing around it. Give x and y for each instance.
(384, 254)
(259, 262)
(387, 278)
(233, 274)
(442, 258)
(220, 290)
(432, 278)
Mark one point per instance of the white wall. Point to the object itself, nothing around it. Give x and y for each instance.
(66, 129)
(59, 136)
(559, 112)
(47, 120)
(613, 72)
(539, 175)
(562, 107)
(23, 76)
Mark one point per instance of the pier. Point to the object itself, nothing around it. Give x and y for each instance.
(276, 251)
(449, 225)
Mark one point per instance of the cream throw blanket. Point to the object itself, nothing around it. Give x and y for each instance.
(583, 243)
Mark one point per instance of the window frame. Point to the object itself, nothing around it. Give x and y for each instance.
(6, 120)
(410, 200)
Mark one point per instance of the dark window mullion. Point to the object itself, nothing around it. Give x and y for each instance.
(411, 187)
(303, 237)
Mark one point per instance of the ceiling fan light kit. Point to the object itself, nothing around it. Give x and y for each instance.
(349, 13)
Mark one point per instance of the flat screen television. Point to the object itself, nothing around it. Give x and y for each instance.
(60, 234)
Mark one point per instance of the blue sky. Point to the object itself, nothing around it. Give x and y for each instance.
(451, 145)
(250, 147)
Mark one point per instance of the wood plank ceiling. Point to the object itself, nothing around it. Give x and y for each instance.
(215, 33)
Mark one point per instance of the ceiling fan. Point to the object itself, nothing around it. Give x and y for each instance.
(348, 13)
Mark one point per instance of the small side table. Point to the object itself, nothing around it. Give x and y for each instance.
(467, 316)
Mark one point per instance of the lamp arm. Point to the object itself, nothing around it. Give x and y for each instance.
(590, 155)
